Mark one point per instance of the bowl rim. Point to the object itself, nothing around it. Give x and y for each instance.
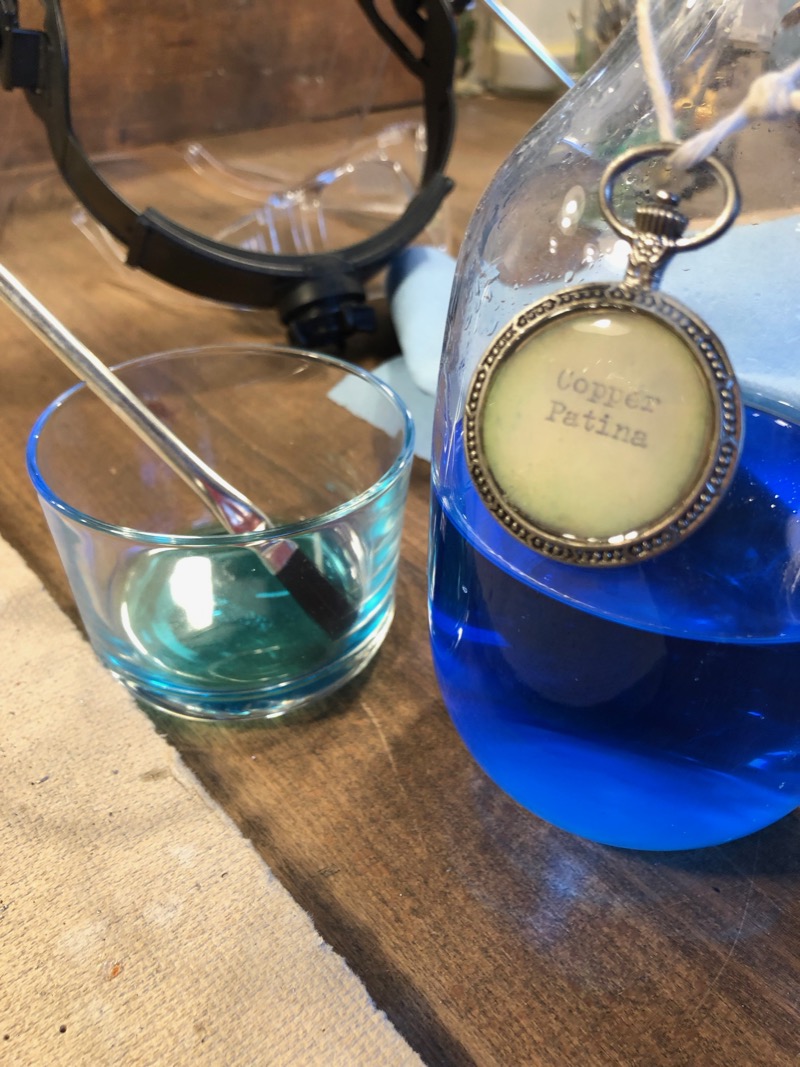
(283, 531)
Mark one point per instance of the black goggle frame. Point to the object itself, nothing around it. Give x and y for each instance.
(320, 297)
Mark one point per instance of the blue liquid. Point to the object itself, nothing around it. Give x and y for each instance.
(211, 632)
(652, 707)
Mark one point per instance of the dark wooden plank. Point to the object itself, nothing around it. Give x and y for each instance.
(489, 937)
(165, 71)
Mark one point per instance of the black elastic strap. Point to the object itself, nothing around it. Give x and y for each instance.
(39, 62)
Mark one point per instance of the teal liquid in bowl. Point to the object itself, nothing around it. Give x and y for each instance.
(653, 707)
(212, 631)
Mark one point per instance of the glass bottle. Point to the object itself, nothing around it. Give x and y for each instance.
(652, 706)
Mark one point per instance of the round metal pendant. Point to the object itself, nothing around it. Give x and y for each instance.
(603, 424)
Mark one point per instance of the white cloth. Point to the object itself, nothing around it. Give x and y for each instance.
(419, 285)
(137, 926)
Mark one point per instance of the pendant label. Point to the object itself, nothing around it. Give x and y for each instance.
(603, 424)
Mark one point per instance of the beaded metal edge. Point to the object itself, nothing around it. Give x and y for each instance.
(694, 507)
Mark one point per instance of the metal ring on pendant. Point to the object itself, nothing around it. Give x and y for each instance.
(624, 162)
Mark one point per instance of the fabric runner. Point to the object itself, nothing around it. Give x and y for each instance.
(137, 925)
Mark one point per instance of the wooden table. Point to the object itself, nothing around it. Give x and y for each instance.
(486, 935)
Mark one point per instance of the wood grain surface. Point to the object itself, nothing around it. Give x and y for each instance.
(488, 937)
(157, 72)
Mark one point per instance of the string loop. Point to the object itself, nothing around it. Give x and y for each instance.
(773, 95)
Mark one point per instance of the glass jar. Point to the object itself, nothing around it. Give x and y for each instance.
(656, 705)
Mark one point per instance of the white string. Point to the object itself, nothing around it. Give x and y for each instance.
(654, 73)
(771, 96)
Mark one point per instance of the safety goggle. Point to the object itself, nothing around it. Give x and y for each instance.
(320, 296)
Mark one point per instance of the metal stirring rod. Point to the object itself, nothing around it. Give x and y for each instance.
(324, 602)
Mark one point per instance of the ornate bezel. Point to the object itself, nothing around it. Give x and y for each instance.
(725, 434)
